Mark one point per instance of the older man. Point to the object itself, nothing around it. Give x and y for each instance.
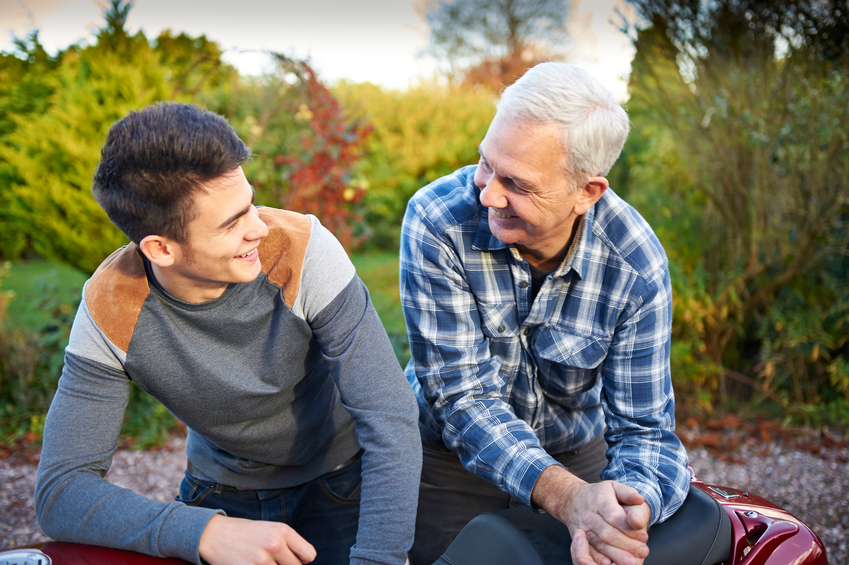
(539, 312)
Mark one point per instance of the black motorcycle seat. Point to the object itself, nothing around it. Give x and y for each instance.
(699, 533)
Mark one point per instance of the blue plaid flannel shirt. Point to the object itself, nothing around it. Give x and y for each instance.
(504, 382)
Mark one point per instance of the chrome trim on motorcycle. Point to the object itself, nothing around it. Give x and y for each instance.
(724, 492)
(24, 557)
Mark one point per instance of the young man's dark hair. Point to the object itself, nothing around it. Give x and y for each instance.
(153, 162)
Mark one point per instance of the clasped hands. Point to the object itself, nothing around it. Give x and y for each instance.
(608, 521)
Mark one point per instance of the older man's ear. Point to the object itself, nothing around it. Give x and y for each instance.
(589, 194)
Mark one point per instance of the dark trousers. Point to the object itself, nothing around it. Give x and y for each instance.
(324, 511)
(450, 496)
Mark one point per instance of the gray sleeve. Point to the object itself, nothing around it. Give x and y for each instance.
(73, 502)
(327, 270)
(376, 394)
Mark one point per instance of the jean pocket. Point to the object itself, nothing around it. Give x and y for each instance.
(193, 491)
(343, 486)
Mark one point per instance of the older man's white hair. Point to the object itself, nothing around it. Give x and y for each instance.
(594, 124)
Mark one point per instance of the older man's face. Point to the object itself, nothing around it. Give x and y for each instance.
(530, 200)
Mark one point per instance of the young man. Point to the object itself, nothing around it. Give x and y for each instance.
(539, 308)
(251, 326)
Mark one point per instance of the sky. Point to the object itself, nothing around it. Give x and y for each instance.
(358, 40)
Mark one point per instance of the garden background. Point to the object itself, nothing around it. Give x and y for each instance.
(738, 157)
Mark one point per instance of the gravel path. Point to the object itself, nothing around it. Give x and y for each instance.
(806, 473)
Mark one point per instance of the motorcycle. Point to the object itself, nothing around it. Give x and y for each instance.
(716, 525)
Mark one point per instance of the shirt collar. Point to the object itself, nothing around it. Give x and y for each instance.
(579, 253)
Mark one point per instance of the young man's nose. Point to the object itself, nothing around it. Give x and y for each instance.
(258, 229)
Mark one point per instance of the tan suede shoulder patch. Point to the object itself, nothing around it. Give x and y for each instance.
(282, 252)
(115, 294)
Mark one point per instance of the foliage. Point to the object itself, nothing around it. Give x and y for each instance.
(744, 171)
(50, 146)
(420, 135)
(31, 362)
(306, 147)
(19, 280)
(492, 43)
(25, 87)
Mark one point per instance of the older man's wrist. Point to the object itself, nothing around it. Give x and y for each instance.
(553, 489)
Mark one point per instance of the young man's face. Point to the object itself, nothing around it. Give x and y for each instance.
(530, 200)
(222, 241)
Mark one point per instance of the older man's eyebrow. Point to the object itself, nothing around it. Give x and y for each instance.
(516, 180)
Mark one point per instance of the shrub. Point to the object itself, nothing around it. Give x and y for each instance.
(419, 135)
(53, 119)
(305, 146)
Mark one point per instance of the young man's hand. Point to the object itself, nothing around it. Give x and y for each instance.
(608, 521)
(250, 542)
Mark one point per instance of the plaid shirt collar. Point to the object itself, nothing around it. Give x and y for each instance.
(579, 252)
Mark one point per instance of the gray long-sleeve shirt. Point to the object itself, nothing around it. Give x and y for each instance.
(279, 381)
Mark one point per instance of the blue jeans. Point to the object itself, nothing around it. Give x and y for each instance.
(324, 511)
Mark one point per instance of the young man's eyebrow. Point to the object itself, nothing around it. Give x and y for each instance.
(239, 214)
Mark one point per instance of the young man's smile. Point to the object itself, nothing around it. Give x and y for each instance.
(223, 241)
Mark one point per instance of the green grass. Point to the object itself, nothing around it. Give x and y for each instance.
(31, 281)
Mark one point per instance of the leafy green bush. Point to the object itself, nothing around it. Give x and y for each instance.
(419, 135)
(54, 114)
(31, 363)
(739, 159)
(305, 145)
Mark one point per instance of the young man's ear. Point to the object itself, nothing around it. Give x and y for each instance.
(589, 194)
(159, 250)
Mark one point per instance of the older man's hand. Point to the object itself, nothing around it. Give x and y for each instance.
(608, 521)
